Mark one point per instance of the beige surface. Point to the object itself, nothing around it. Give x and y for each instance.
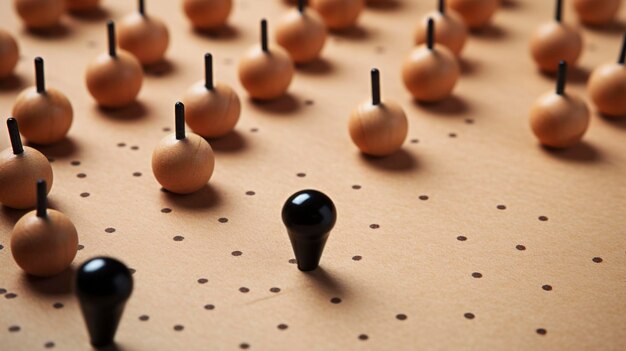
(411, 264)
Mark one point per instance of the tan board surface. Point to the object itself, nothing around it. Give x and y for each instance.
(398, 249)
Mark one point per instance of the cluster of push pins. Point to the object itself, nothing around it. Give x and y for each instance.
(44, 242)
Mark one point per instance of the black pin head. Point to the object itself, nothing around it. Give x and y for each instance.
(111, 36)
(103, 285)
(622, 55)
(558, 12)
(375, 74)
(180, 120)
(208, 71)
(561, 78)
(264, 46)
(430, 40)
(14, 135)
(301, 5)
(309, 216)
(442, 7)
(142, 7)
(42, 199)
(39, 75)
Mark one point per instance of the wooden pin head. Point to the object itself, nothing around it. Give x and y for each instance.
(476, 13)
(607, 86)
(597, 12)
(40, 14)
(82, 5)
(450, 30)
(144, 36)
(339, 14)
(207, 14)
(302, 33)
(9, 54)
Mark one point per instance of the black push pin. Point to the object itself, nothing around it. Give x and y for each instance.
(103, 285)
(14, 135)
(309, 216)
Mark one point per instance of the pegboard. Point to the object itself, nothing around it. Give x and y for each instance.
(472, 237)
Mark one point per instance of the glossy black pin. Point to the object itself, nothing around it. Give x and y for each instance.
(430, 40)
(309, 216)
(208, 71)
(301, 5)
(180, 120)
(42, 199)
(103, 285)
(39, 75)
(264, 46)
(375, 74)
(561, 78)
(111, 36)
(558, 13)
(142, 7)
(442, 7)
(14, 135)
(622, 55)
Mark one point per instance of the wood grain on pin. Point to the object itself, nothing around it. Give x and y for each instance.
(430, 72)
(45, 115)
(559, 119)
(20, 168)
(339, 14)
(378, 128)
(9, 54)
(555, 41)
(114, 78)
(266, 74)
(182, 162)
(207, 14)
(211, 110)
(597, 12)
(450, 30)
(476, 13)
(82, 5)
(44, 242)
(302, 33)
(607, 86)
(40, 14)
(143, 35)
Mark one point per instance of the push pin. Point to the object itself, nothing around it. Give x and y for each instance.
(597, 12)
(431, 71)
(607, 86)
(207, 14)
(40, 14)
(450, 29)
(182, 162)
(103, 285)
(144, 36)
(302, 33)
(45, 114)
(264, 73)
(9, 54)
(20, 168)
(211, 110)
(554, 42)
(558, 119)
(114, 78)
(476, 13)
(339, 14)
(377, 128)
(309, 216)
(44, 242)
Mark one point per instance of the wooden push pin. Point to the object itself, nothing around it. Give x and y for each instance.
(377, 128)
(45, 114)
(207, 14)
(309, 216)
(476, 13)
(82, 5)
(264, 73)
(103, 285)
(144, 36)
(431, 71)
(9, 54)
(114, 78)
(607, 86)
(211, 110)
(44, 242)
(40, 14)
(597, 12)
(559, 120)
(554, 42)
(20, 168)
(450, 29)
(182, 163)
(302, 33)
(339, 14)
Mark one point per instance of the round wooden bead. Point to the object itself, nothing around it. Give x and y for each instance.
(44, 246)
(266, 75)
(145, 37)
(430, 75)
(213, 112)
(207, 14)
(44, 118)
(19, 173)
(81, 5)
(339, 14)
(554, 42)
(559, 120)
(378, 130)
(302, 34)
(607, 87)
(114, 81)
(9, 54)
(450, 30)
(183, 166)
(475, 13)
(597, 12)
(38, 14)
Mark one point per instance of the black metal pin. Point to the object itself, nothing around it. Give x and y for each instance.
(142, 8)
(264, 35)
(375, 86)
(622, 55)
(561, 77)
(39, 75)
(42, 200)
(559, 10)
(14, 135)
(442, 7)
(180, 120)
(430, 41)
(111, 33)
(208, 71)
(301, 5)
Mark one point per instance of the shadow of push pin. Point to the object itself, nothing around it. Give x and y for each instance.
(103, 285)
(309, 216)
